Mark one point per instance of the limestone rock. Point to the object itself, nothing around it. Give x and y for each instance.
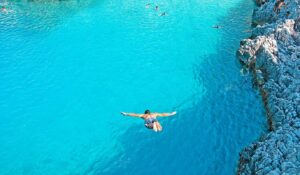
(272, 54)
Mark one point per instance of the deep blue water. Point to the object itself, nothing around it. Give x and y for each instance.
(68, 68)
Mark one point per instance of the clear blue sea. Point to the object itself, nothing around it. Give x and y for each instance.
(68, 68)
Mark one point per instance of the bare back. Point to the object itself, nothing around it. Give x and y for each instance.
(152, 115)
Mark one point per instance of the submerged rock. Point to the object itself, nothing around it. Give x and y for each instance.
(273, 56)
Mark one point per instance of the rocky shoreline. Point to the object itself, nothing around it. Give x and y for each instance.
(272, 54)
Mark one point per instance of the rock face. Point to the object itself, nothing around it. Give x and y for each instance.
(272, 54)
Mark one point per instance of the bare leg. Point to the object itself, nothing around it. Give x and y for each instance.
(154, 127)
(157, 126)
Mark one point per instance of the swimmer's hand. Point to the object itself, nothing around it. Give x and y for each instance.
(173, 113)
(124, 113)
(165, 114)
(132, 114)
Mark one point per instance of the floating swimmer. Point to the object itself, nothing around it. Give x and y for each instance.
(278, 5)
(163, 14)
(150, 118)
(148, 5)
(217, 27)
(156, 8)
(3, 9)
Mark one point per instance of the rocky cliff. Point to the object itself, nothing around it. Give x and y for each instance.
(272, 54)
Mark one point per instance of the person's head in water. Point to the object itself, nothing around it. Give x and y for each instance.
(147, 111)
(3, 9)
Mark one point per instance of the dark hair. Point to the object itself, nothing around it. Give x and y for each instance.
(147, 111)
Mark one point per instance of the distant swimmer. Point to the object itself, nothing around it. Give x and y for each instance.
(148, 5)
(287, 13)
(156, 8)
(163, 14)
(3, 9)
(150, 118)
(217, 27)
(278, 5)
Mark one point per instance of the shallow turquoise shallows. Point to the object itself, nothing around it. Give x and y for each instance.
(68, 68)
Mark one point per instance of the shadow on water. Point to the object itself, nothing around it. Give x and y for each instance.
(39, 15)
(206, 137)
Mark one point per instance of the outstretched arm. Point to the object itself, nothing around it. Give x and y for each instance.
(132, 114)
(165, 114)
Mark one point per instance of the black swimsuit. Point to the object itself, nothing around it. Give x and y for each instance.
(149, 122)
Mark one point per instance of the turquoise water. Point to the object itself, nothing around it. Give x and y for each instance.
(68, 68)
